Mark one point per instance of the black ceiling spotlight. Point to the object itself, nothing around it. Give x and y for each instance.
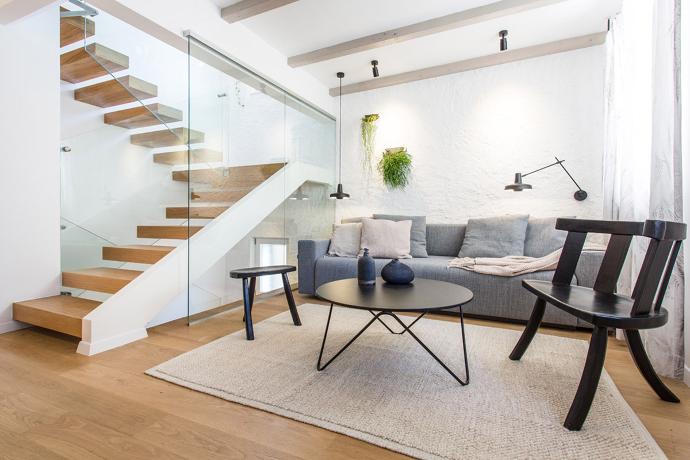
(374, 68)
(504, 39)
(339, 194)
(519, 186)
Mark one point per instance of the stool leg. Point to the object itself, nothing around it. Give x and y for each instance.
(248, 297)
(291, 300)
(252, 291)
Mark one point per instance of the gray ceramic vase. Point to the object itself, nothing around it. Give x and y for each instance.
(366, 269)
(396, 272)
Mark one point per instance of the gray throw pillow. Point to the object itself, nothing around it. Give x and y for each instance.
(542, 237)
(495, 236)
(417, 235)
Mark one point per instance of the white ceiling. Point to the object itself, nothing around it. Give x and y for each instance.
(307, 25)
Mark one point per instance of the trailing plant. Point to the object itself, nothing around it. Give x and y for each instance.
(368, 139)
(395, 167)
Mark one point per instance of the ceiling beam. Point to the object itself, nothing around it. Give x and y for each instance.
(503, 57)
(420, 29)
(247, 8)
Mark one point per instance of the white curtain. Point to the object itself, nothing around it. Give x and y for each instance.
(643, 153)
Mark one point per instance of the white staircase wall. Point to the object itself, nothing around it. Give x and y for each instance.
(123, 318)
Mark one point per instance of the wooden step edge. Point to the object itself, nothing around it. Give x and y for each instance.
(74, 29)
(179, 157)
(58, 313)
(166, 232)
(121, 90)
(140, 254)
(143, 116)
(196, 212)
(106, 280)
(167, 138)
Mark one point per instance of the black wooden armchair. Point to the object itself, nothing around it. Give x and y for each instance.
(601, 306)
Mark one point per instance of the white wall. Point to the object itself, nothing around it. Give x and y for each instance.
(30, 187)
(469, 133)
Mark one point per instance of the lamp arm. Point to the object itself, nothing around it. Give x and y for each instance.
(558, 162)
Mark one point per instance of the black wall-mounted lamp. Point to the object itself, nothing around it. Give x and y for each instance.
(519, 186)
(374, 68)
(503, 42)
(339, 194)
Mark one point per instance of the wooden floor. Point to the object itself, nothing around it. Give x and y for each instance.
(57, 404)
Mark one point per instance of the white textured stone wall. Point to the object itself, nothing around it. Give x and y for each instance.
(469, 133)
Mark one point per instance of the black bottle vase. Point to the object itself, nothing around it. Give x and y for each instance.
(396, 272)
(366, 269)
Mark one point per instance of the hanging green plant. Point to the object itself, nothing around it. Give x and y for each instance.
(368, 139)
(395, 167)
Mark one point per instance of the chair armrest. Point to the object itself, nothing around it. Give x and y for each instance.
(588, 267)
(613, 227)
(308, 252)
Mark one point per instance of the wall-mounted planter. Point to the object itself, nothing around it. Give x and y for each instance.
(368, 140)
(395, 167)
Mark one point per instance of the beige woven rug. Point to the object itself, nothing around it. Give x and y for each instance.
(387, 391)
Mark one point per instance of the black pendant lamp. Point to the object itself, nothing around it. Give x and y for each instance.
(503, 40)
(339, 194)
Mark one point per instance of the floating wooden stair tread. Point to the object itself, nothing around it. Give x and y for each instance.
(206, 212)
(58, 313)
(251, 175)
(196, 156)
(75, 29)
(143, 116)
(122, 90)
(93, 61)
(101, 279)
(167, 138)
(223, 196)
(166, 232)
(137, 253)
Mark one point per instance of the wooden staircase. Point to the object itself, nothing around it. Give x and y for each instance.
(66, 313)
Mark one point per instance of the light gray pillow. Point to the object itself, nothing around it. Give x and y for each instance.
(495, 236)
(386, 239)
(542, 237)
(345, 240)
(351, 220)
(417, 234)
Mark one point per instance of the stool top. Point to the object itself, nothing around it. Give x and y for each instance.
(261, 271)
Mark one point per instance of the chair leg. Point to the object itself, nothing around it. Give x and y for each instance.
(248, 326)
(589, 380)
(291, 301)
(634, 341)
(530, 330)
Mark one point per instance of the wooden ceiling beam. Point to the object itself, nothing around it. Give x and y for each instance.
(420, 29)
(247, 8)
(503, 57)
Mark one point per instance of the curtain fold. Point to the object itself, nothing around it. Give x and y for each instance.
(643, 171)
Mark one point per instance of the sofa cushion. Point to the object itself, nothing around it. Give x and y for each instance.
(386, 238)
(444, 239)
(345, 240)
(542, 238)
(498, 236)
(417, 234)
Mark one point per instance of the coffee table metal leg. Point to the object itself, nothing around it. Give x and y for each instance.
(438, 360)
(319, 367)
(391, 330)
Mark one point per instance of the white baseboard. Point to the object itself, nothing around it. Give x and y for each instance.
(90, 349)
(11, 325)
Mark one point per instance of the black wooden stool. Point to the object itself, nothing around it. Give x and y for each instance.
(248, 276)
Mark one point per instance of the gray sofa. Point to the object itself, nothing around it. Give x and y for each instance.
(494, 296)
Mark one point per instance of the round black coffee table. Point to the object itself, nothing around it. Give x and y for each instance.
(422, 296)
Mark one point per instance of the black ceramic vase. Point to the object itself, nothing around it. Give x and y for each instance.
(366, 269)
(396, 272)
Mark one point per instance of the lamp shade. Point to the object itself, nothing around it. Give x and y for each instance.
(339, 194)
(518, 185)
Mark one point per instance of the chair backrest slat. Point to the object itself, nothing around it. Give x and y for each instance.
(569, 257)
(652, 270)
(667, 275)
(612, 264)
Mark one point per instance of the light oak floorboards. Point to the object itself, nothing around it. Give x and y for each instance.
(57, 404)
